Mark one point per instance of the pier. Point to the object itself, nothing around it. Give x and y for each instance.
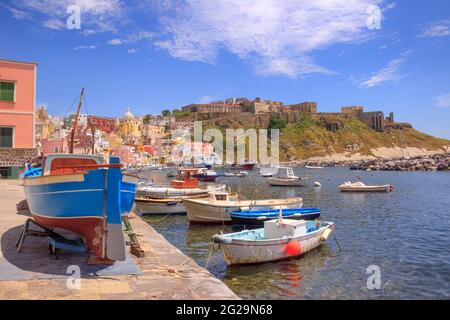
(163, 273)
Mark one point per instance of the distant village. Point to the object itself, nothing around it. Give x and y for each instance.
(27, 130)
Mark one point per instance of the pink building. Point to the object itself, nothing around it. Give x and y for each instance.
(54, 146)
(17, 105)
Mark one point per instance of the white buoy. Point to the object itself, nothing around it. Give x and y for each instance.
(317, 184)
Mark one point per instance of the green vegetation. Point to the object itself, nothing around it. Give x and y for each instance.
(165, 113)
(308, 137)
(179, 113)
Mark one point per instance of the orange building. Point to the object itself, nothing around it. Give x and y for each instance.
(17, 105)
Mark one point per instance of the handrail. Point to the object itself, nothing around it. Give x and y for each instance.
(118, 165)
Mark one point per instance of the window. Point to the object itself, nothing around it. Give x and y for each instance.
(6, 137)
(7, 91)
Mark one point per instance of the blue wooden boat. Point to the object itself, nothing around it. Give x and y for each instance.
(81, 194)
(257, 217)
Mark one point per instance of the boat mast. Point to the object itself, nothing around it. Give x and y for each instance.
(74, 127)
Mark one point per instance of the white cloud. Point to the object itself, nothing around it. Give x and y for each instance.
(132, 51)
(17, 14)
(54, 24)
(275, 36)
(436, 29)
(115, 42)
(132, 38)
(101, 15)
(205, 99)
(443, 101)
(90, 47)
(388, 74)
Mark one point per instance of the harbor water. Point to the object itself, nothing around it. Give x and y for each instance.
(405, 235)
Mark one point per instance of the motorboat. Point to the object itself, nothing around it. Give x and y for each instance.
(257, 217)
(206, 175)
(279, 239)
(361, 187)
(285, 177)
(184, 185)
(228, 174)
(241, 174)
(219, 205)
(82, 194)
(247, 165)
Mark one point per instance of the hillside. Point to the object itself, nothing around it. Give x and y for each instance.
(308, 138)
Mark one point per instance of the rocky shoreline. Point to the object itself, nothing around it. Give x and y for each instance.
(438, 162)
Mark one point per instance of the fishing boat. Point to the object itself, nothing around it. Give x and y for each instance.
(361, 187)
(81, 194)
(285, 177)
(184, 184)
(219, 205)
(279, 239)
(257, 217)
(247, 165)
(151, 206)
(206, 175)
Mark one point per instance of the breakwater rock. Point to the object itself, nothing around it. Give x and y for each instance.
(438, 162)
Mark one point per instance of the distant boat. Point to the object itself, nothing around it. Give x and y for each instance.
(228, 174)
(152, 206)
(206, 175)
(361, 187)
(257, 217)
(286, 177)
(241, 174)
(313, 167)
(247, 165)
(278, 240)
(219, 205)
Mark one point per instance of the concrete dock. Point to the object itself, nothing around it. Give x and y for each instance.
(164, 273)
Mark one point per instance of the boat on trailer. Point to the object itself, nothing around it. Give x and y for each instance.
(217, 208)
(285, 177)
(81, 194)
(258, 217)
(361, 187)
(279, 239)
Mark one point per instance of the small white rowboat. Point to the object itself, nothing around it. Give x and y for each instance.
(361, 187)
(278, 240)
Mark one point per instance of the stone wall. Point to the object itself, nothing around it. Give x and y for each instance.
(10, 157)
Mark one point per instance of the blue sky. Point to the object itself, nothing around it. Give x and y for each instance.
(151, 55)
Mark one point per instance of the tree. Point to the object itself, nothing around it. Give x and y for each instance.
(165, 113)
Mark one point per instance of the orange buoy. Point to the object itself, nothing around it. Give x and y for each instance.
(293, 248)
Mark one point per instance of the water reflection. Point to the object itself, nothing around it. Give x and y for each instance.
(405, 233)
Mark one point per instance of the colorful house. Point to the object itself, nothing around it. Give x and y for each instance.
(17, 108)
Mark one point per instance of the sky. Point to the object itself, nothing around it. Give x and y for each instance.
(153, 55)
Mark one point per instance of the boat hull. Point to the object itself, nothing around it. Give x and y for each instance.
(385, 188)
(160, 207)
(80, 203)
(205, 212)
(242, 252)
(286, 182)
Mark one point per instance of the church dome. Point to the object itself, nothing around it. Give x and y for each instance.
(128, 115)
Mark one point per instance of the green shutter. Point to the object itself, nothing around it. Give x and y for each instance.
(7, 91)
(6, 137)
